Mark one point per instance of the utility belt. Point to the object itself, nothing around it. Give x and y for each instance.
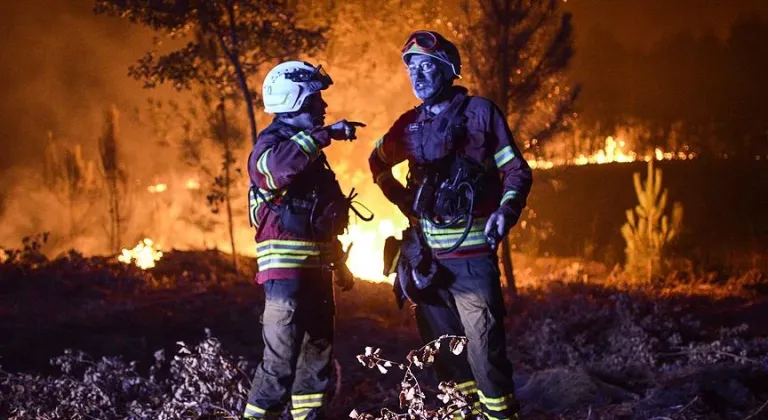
(446, 191)
(312, 207)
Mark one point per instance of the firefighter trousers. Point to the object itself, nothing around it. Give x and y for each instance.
(297, 328)
(467, 300)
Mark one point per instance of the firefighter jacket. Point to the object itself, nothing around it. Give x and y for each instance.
(283, 158)
(420, 137)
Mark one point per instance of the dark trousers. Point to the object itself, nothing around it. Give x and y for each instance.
(298, 343)
(467, 300)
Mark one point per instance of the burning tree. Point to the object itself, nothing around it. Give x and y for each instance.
(517, 52)
(70, 177)
(114, 176)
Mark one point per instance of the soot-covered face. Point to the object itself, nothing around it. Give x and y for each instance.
(427, 76)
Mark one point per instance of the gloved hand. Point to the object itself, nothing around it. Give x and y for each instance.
(343, 277)
(343, 130)
(411, 248)
(496, 227)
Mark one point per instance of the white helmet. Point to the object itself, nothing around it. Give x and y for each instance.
(289, 83)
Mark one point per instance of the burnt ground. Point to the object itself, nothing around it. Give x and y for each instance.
(581, 349)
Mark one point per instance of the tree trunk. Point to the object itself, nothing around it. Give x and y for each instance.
(509, 273)
(228, 180)
(234, 56)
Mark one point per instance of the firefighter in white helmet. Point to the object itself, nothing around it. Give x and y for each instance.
(298, 209)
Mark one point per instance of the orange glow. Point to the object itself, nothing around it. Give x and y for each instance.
(193, 184)
(157, 188)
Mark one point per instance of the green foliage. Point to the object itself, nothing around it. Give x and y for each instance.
(648, 230)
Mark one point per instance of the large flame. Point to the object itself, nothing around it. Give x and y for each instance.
(366, 258)
(613, 152)
(143, 255)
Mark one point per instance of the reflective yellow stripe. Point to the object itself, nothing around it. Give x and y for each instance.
(283, 264)
(255, 202)
(466, 384)
(496, 404)
(307, 144)
(486, 399)
(438, 238)
(509, 195)
(503, 156)
(276, 253)
(316, 404)
(306, 397)
(300, 414)
(255, 412)
(261, 166)
(250, 408)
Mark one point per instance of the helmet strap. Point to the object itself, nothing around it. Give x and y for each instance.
(443, 94)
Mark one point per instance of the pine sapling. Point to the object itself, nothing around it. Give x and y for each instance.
(648, 230)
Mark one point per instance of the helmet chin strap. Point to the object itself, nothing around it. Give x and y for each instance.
(442, 94)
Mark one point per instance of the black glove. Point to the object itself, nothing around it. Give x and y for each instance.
(411, 247)
(343, 130)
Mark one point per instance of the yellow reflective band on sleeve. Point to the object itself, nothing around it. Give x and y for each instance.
(261, 166)
(307, 144)
(380, 150)
(509, 195)
(503, 156)
(255, 202)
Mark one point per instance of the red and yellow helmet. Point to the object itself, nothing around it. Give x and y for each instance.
(434, 45)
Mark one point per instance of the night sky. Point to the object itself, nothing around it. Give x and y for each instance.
(61, 65)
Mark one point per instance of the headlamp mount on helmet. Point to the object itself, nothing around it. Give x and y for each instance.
(317, 79)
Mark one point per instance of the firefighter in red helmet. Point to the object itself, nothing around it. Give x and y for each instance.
(467, 186)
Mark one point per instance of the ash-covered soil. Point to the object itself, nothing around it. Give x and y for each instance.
(582, 347)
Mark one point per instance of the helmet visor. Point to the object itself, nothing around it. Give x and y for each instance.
(420, 42)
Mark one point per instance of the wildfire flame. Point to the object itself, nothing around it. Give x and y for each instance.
(143, 255)
(613, 152)
(193, 184)
(157, 188)
(366, 258)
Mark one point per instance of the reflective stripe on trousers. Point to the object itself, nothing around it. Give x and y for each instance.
(298, 336)
(470, 303)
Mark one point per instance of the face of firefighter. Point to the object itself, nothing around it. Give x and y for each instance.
(312, 113)
(426, 76)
